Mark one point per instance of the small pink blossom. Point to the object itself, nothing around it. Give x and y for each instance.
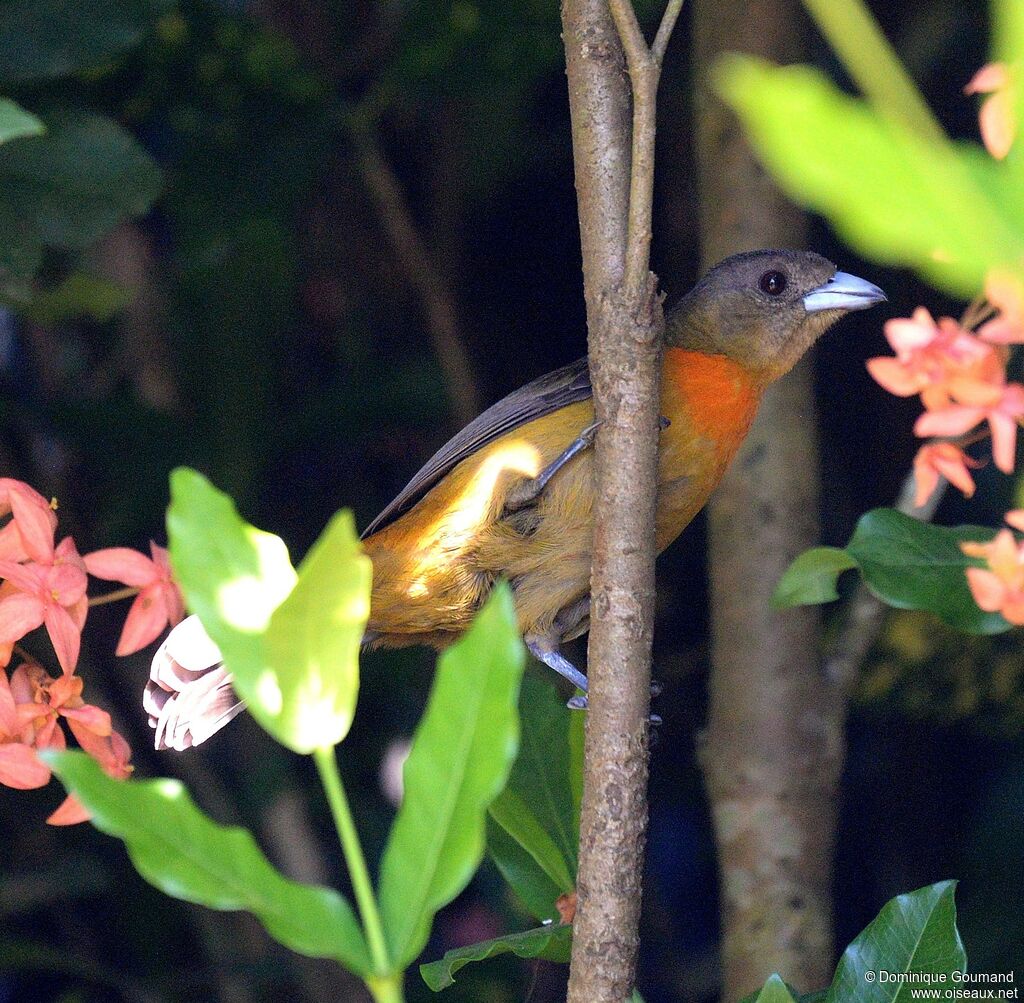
(1002, 416)
(998, 114)
(29, 533)
(159, 602)
(999, 587)
(36, 594)
(939, 361)
(1005, 292)
(942, 459)
(39, 702)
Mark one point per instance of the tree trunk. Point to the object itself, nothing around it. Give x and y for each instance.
(774, 741)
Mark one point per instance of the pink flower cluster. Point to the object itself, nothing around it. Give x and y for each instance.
(960, 376)
(44, 584)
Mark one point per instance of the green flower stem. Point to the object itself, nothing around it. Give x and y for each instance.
(872, 62)
(327, 765)
(387, 989)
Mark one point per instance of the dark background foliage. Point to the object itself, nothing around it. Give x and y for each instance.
(365, 230)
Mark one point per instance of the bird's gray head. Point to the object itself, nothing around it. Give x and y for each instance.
(764, 309)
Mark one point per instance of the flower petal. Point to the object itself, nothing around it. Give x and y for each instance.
(70, 812)
(65, 636)
(89, 717)
(35, 520)
(955, 420)
(21, 768)
(19, 614)
(1004, 441)
(987, 588)
(122, 564)
(146, 619)
(895, 376)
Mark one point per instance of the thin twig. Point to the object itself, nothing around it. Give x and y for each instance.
(668, 23)
(413, 258)
(117, 595)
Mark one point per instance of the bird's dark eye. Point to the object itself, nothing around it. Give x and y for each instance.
(773, 283)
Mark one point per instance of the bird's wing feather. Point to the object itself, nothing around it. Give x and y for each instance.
(563, 387)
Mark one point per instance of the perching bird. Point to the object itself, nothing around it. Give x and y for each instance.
(511, 496)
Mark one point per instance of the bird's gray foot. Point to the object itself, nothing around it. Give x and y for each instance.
(527, 492)
(547, 652)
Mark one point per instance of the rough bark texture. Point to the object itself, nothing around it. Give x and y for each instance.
(774, 739)
(624, 343)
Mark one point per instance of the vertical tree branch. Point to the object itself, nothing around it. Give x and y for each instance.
(774, 738)
(614, 160)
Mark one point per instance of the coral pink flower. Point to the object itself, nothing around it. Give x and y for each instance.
(20, 768)
(942, 459)
(937, 360)
(29, 534)
(39, 702)
(999, 588)
(1005, 292)
(1002, 416)
(159, 602)
(998, 116)
(53, 595)
(1015, 518)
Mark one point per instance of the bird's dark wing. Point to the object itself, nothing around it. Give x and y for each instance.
(564, 386)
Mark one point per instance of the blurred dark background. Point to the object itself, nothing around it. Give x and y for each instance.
(366, 232)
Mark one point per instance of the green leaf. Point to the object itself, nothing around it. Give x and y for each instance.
(291, 641)
(527, 879)
(914, 933)
(519, 820)
(233, 576)
(775, 991)
(914, 565)
(76, 182)
(460, 760)
(552, 943)
(175, 847)
(896, 197)
(906, 563)
(812, 578)
(313, 638)
(16, 123)
(536, 807)
(41, 39)
(78, 295)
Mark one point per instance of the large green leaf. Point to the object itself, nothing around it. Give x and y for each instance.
(907, 563)
(461, 755)
(313, 638)
(552, 943)
(16, 123)
(290, 640)
(896, 197)
(534, 888)
(536, 807)
(175, 847)
(42, 39)
(914, 935)
(77, 181)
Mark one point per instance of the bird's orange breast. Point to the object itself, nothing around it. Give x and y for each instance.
(711, 402)
(434, 564)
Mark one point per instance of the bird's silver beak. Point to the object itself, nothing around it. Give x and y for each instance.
(844, 292)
